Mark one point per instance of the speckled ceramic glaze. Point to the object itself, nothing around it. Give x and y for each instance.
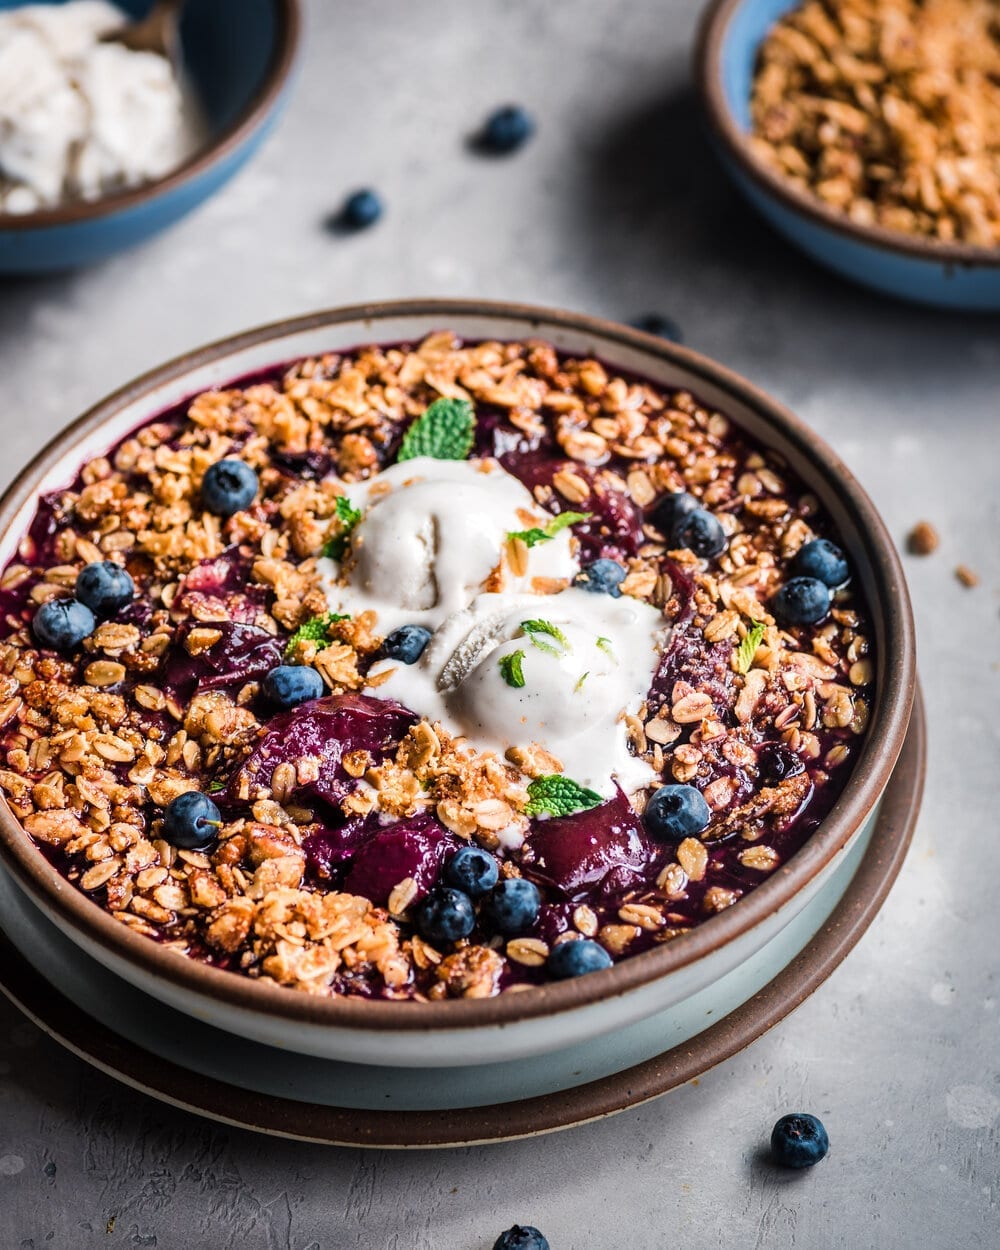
(947, 275)
(238, 55)
(710, 966)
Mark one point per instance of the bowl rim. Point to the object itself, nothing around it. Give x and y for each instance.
(882, 744)
(283, 55)
(708, 78)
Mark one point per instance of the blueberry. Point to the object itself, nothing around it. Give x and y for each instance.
(575, 959)
(446, 915)
(799, 1141)
(521, 1237)
(105, 588)
(801, 601)
(361, 209)
(191, 821)
(776, 761)
(228, 487)
(288, 685)
(676, 812)
(701, 533)
(406, 644)
(603, 577)
(672, 509)
(513, 905)
(662, 327)
(472, 870)
(62, 624)
(823, 560)
(505, 130)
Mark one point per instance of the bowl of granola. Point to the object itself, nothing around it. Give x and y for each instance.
(441, 701)
(868, 133)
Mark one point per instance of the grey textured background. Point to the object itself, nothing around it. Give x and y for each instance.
(617, 208)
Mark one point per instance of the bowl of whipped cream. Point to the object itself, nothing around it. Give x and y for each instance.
(102, 146)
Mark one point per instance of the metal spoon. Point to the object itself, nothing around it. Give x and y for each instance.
(158, 31)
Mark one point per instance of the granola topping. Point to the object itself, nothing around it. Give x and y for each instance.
(535, 723)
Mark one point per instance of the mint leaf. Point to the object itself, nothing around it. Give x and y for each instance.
(215, 787)
(512, 670)
(348, 516)
(316, 630)
(604, 644)
(545, 628)
(542, 534)
(443, 431)
(556, 795)
(579, 684)
(748, 647)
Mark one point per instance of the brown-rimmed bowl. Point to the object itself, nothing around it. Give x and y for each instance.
(947, 275)
(548, 1017)
(238, 58)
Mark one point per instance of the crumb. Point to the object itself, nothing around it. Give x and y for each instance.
(922, 539)
(968, 577)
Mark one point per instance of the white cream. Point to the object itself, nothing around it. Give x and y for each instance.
(432, 533)
(431, 536)
(576, 690)
(78, 118)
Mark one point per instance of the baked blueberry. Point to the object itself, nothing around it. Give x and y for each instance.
(505, 130)
(799, 1141)
(576, 959)
(446, 915)
(801, 601)
(663, 327)
(671, 510)
(472, 870)
(62, 624)
(675, 812)
(513, 905)
(776, 761)
(191, 821)
(361, 209)
(521, 1237)
(406, 644)
(228, 486)
(288, 685)
(701, 533)
(603, 577)
(823, 560)
(105, 588)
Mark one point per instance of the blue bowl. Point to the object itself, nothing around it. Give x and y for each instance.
(238, 55)
(946, 275)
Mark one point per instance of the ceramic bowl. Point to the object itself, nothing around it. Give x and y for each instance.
(239, 56)
(705, 966)
(951, 275)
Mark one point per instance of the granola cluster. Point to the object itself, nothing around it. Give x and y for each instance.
(165, 698)
(888, 111)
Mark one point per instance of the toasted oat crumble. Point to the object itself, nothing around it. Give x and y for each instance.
(165, 697)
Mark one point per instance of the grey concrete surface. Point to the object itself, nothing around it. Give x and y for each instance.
(616, 208)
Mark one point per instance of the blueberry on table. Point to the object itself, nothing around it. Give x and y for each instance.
(406, 644)
(701, 533)
(62, 624)
(228, 487)
(191, 821)
(105, 588)
(603, 577)
(505, 130)
(288, 685)
(799, 1141)
(446, 915)
(513, 905)
(801, 601)
(521, 1237)
(823, 560)
(662, 327)
(676, 812)
(672, 509)
(576, 959)
(472, 870)
(361, 209)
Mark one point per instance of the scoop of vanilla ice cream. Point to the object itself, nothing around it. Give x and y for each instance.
(433, 533)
